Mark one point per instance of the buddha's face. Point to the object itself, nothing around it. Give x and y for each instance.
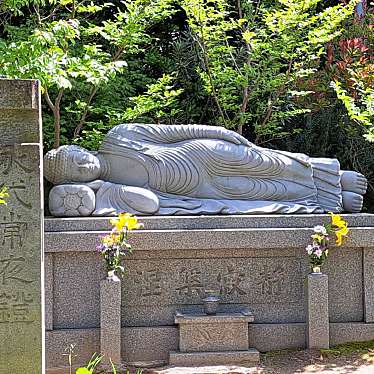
(83, 166)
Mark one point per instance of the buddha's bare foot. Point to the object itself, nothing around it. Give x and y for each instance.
(353, 182)
(352, 202)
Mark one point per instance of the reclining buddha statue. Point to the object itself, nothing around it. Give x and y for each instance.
(194, 169)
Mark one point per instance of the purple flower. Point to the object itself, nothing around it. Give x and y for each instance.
(318, 253)
(309, 249)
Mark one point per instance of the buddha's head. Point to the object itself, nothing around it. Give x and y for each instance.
(70, 163)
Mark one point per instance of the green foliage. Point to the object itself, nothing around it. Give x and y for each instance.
(91, 365)
(159, 102)
(360, 109)
(60, 45)
(253, 56)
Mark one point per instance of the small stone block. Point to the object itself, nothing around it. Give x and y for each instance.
(110, 323)
(214, 358)
(213, 333)
(318, 335)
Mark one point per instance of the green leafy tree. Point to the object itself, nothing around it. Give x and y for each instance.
(252, 56)
(61, 45)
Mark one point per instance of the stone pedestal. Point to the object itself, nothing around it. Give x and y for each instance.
(110, 321)
(318, 333)
(21, 229)
(213, 339)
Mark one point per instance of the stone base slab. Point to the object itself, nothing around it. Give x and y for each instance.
(214, 358)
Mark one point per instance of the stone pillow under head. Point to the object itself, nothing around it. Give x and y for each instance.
(71, 200)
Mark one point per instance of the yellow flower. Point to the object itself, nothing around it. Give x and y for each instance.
(317, 237)
(120, 222)
(132, 223)
(340, 234)
(337, 220)
(125, 220)
(342, 227)
(108, 240)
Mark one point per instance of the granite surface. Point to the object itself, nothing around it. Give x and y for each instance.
(48, 290)
(213, 333)
(368, 275)
(110, 321)
(150, 346)
(318, 334)
(288, 336)
(209, 222)
(213, 358)
(270, 284)
(145, 240)
(341, 333)
(21, 229)
(170, 268)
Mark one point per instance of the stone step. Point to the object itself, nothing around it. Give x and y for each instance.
(214, 358)
(264, 221)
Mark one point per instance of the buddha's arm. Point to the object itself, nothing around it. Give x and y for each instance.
(176, 133)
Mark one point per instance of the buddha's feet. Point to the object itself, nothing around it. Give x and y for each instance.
(353, 182)
(352, 202)
(354, 186)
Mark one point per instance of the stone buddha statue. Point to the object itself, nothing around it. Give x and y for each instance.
(194, 169)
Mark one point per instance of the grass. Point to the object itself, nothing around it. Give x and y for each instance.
(347, 348)
(338, 350)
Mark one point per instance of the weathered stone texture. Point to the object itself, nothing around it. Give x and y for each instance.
(161, 280)
(21, 230)
(318, 335)
(213, 358)
(344, 269)
(48, 290)
(220, 332)
(210, 222)
(19, 94)
(110, 321)
(368, 274)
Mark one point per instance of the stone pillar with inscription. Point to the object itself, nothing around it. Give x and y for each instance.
(21, 229)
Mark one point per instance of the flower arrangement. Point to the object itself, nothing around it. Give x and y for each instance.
(114, 246)
(319, 249)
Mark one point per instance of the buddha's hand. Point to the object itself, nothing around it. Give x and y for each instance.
(71, 200)
(234, 137)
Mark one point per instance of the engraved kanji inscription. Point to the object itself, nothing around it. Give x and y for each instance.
(191, 281)
(13, 269)
(16, 307)
(19, 191)
(12, 231)
(272, 280)
(150, 282)
(17, 157)
(230, 282)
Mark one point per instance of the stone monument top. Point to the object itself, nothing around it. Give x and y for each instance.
(192, 170)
